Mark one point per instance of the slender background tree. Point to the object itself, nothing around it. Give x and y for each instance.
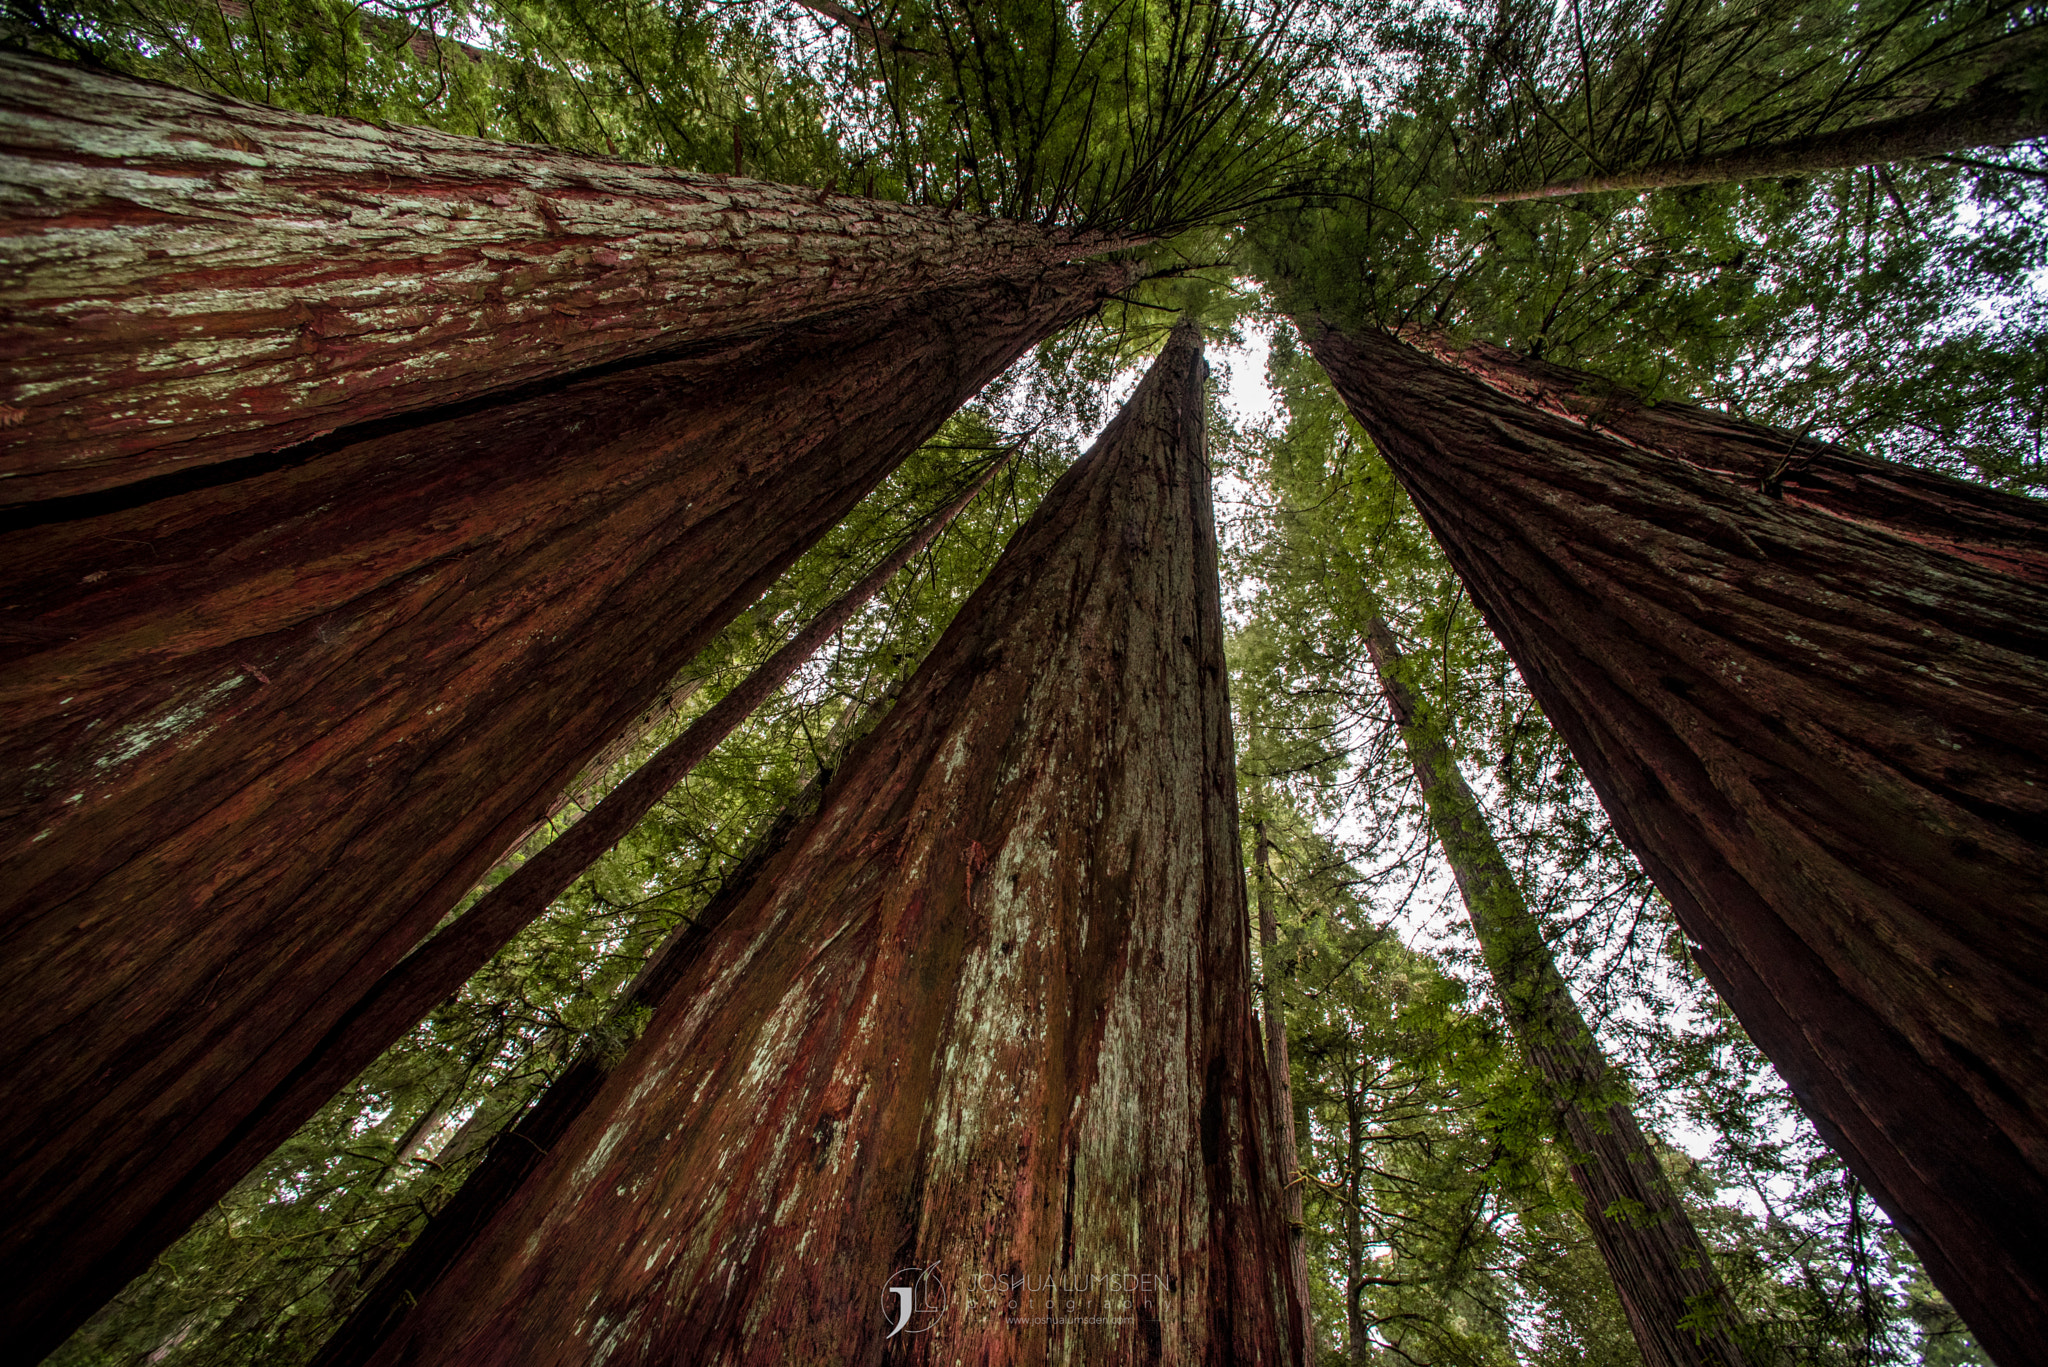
(1883, 309)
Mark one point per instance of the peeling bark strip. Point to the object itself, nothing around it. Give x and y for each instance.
(2004, 532)
(261, 737)
(1677, 1305)
(403, 997)
(1827, 747)
(986, 1013)
(191, 279)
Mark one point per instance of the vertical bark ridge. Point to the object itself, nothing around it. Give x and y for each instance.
(986, 1013)
(263, 736)
(192, 279)
(1677, 1305)
(516, 1151)
(402, 998)
(1827, 747)
(2004, 532)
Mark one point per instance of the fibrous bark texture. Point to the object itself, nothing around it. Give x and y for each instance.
(2004, 532)
(978, 1030)
(1996, 114)
(1827, 745)
(262, 736)
(1677, 1305)
(403, 997)
(191, 279)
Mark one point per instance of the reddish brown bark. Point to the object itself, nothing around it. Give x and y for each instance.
(1282, 1072)
(1826, 745)
(584, 790)
(264, 735)
(2001, 531)
(1677, 1305)
(1357, 1337)
(985, 1013)
(403, 997)
(191, 279)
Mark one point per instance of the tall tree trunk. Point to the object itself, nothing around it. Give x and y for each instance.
(761, 684)
(1677, 1305)
(984, 1017)
(1995, 114)
(192, 280)
(1281, 1071)
(1829, 747)
(2005, 532)
(1359, 1337)
(579, 793)
(403, 997)
(583, 787)
(516, 1150)
(265, 735)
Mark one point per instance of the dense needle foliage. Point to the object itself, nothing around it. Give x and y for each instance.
(1277, 159)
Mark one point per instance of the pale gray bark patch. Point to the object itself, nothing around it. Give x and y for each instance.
(190, 279)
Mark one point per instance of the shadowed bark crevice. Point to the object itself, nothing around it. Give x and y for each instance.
(986, 1012)
(269, 734)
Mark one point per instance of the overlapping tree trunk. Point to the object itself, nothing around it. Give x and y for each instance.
(2004, 532)
(403, 997)
(1677, 1305)
(262, 736)
(979, 1026)
(191, 279)
(1828, 746)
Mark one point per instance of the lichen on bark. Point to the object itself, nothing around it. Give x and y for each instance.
(191, 279)
(986, 1012)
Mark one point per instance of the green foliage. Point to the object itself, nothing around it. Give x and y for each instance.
(1437, 1189)
(273, 1269)
(638, 79)
(1118, 116)
(1611, 85)
(1321, 148)
(1894, 308)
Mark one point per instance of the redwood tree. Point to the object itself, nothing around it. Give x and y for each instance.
(193, 279)
(266, 733)
(1677, 1306)
(1997, 530)
(985, 1015)
(1829, 747)
(402, 997)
